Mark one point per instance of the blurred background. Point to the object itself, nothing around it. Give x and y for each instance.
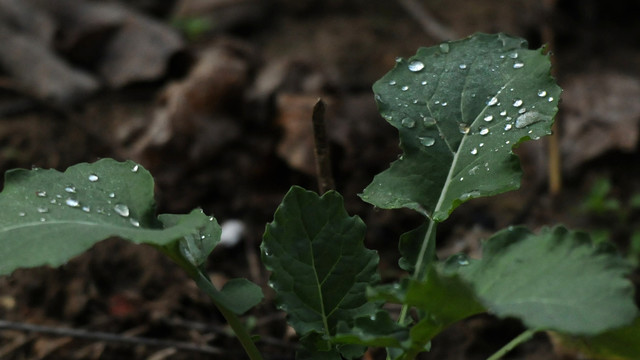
(214, 97)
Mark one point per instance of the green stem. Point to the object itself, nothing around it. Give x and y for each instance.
(204, 283)
(425, 257)
(525, 336)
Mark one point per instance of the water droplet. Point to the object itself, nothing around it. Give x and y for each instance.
(86, 209)
(404, 88)
(392, 82)
(22, 213)
(424, 82)
(444, 103)
(429, 121)
(488, 118)
(93, 177)
(42, 210)
(427, 141)
(484, 131)
(43, 219)
(41, 193)
(474, 151)
(513, 55)
(416, 66)
(481, 144)
(518, 65)
(444, 47)
(462, 66)
(462, 261)
(135, 168)
(72, 202)
(464, 128)
(522, 111)
(134, 222)
(507, 127)
(267, 252)
(492, 101)
(503, 113)
(408, 123)
(112, 195)
(398, 59)
(461, 178)
(121, 209)
(527, 119)
(70, 189)
(517, 103)
(542, 93)
(550, 98)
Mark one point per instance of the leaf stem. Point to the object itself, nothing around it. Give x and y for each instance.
(204, 283)
(525, 336)
(425, 257)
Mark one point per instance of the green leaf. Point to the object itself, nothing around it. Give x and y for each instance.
(556, 280)
(377, 330)
(320, 267)
(617, 344)
(48, 217)
(460, 108)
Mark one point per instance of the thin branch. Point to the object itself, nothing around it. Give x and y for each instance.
(108, 337)
(430, 25)
(323, 157)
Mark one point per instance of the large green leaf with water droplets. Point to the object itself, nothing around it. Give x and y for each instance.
(460, 108)
(47, 216)
(320, 267)
(554, 280)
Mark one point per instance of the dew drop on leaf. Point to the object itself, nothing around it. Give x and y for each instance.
(41, 193)
(404, 88)
(517, 103)
(462, 66)
(86, 209)
(542, 93)
(550, 98)
(429, 121)
(484, 131)
(93, 177)
(392, 82)
(518, 65)
(427, 141)
(444, 47)
(134, 222)
(416, 66)
(22, 213)
(513, 55)
(424, 82)
(527, 119)
(121, 209)
(492, 101)
(135, 168)
(507, 127)
(42, 210)
(503, 113)
(474, 151)
(464, 128)
(72, 202)
(488, 118)
(408, 123)
(70, 189)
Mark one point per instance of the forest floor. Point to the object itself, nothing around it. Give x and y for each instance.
(222, 121)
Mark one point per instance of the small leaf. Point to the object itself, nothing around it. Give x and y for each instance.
(48, 217)
(377, 330)
(617, 344)
(320, 267)
(240, 295)
(460, 108)
(556, 280)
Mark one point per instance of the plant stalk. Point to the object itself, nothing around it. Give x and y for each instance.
(525, 336)
(204, 283)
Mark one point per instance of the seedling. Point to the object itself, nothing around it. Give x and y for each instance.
(459, 108)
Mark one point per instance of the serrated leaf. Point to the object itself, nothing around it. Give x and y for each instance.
(555, 280)
(460, 108)
(320, 267)
(48, 217)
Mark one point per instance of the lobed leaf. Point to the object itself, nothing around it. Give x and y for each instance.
(460, 108)
(48, 217)
(320, 267)
(555, 280)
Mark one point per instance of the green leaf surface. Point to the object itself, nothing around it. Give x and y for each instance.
(47, 216)
(460, 108)
(377, 330)
(320, 267)
(617, 344)
(555, 280)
